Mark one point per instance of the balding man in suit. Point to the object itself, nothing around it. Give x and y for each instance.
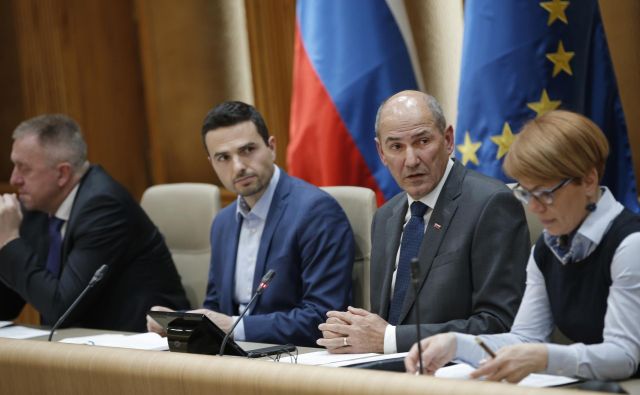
(467, 230)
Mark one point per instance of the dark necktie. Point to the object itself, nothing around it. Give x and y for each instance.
(55, 246)
(409, 248)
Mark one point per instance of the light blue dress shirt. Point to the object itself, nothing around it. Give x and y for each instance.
(253, 221)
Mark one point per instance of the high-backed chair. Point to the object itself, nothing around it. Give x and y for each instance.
(183, 212)
(534, 224)
(359, 204)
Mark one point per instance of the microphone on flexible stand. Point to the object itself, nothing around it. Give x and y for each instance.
(415, 279)
(264, 283)
(97, 276)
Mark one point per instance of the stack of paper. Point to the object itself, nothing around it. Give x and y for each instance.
(142, 341)
(462, 371)
(324, 358)
(20, 332)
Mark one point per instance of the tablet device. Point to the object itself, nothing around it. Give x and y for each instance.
(194, 333)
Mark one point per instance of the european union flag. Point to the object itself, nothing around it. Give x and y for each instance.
(522, 58)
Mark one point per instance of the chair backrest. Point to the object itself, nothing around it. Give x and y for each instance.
(183, 212)
(534, 224)
(359, 204)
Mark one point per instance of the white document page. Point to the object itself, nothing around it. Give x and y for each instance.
(141, 341)
(21, 332)
(462, 371)
(5, 323)
(374, 358)
(324, 358)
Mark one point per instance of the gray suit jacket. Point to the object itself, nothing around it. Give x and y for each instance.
(472, 266)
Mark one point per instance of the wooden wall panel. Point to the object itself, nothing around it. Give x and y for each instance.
(81, 58)
(195, 55)
(11, 112)
(271, 25)
(620, 19)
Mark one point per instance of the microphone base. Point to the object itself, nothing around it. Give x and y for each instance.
(194, 333)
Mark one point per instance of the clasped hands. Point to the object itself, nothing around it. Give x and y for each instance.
(352, 331)
(223, 321)
(512, 363)
(10, 218)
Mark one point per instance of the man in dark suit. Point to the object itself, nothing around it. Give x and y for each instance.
(277, 222)
(467, 230)
(76, 219)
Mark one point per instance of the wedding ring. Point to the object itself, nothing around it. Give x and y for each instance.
(344, 341)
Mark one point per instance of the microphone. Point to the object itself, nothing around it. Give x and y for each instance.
(264, 283)
(415, 279)
(97, 276)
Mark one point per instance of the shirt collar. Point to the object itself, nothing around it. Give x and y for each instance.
(64, 211)
(431, 198)
(598, 222)
(261, 208)
(589, 233)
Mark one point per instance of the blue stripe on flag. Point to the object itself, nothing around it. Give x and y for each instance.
(358, 51)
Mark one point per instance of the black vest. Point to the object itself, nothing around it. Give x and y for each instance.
(578, 291)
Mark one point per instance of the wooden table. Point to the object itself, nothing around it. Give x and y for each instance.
(39, 367)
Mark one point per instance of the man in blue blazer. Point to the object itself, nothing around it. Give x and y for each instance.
(278, 222)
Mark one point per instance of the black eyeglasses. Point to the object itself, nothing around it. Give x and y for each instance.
(544, 196)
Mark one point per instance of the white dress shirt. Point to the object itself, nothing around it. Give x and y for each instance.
(618, 355)
(253, 222)
(64, 211)
(430, 200)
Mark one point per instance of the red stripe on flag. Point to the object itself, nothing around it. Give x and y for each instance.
(321, 150)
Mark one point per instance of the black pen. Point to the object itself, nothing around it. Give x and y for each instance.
(485, 347)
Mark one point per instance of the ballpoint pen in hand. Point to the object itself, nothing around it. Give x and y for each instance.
(485, 347)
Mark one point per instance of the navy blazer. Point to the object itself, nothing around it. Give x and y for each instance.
(308, 241)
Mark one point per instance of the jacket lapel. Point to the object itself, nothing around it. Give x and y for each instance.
(437, 229)
(279, 204)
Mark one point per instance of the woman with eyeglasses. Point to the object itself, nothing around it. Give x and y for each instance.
(583, 274)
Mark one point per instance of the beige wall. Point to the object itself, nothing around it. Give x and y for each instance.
(437, 29)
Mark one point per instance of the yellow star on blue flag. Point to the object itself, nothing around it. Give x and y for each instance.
(503, 141)
(468, 150)
(556, 10)
(560, 60)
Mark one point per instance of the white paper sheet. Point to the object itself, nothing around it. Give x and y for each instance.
(142, 341)
(324, 358)
(21, 332)
(462, 371)
(374, 358)
(5, 323)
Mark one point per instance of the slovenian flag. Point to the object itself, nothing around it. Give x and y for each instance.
(349, 57)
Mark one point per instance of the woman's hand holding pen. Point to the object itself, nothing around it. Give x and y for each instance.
(513, 363)
(436, 352)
